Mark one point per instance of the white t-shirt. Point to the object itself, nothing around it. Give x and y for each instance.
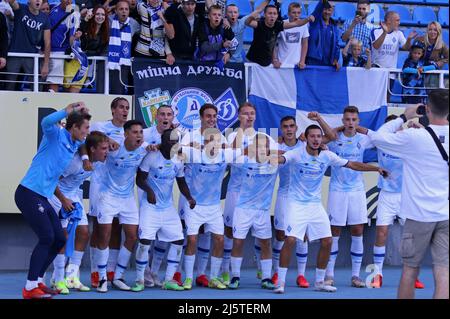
(290, 44)
(425, 173)
(386, 56)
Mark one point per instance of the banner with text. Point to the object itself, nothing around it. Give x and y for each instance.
(186, 86)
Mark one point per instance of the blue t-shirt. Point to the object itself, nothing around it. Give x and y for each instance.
(327, 39)
(161, 175)
(258, 182)
(307, 173)
(238, 30)
(394, 165)
(61, 35)
(120, 171)
(53, 156)
(28, 30)
(351, 148)
(283, 171)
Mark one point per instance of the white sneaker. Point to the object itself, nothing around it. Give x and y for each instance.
(102, 286)
(148, 279)
(120, 284)
(156, 280)
(329, 281)
(279, 289)
(75, 283)
(321, 286)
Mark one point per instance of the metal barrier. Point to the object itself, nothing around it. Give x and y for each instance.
(442, 73)
(35, 74)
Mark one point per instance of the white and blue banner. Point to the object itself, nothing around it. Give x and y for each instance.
(281, 92)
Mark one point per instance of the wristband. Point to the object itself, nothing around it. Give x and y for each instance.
(403, 117)
(84, 157)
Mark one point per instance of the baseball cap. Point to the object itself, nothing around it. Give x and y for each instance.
(187, 1)
(418, 44)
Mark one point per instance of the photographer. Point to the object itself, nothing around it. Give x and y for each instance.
(425, 189)
(359, 28)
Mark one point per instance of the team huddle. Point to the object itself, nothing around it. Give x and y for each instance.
(119, 153)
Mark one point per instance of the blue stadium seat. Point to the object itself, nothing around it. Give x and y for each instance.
(344, 11)
(243, 5)
(248, 35)
(311, 6)
(423, 15)
(405, 15)
(443, 16)
(445, 36)
(285, 7)
(376, 13)
(406, 32)
(402, 56)
(396, 89)
(413, 1)
(436, 2)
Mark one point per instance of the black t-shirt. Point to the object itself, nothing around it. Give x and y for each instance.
(184, 43)
(264, 40)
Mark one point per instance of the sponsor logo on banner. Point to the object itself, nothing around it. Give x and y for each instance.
(186, 104)
(150, 103)
(227, 106)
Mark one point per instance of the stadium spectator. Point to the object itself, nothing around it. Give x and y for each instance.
(30, 28)
(238, 26)
(8, 12)
(3, 41)
(424, 191)
(134, 10)
(152, 40)
(266, 33)
(387, 40)
(216, 43)
(64, 22)
(355, 57)
(412, 76)
(185, 24)
(122, 28)
(94, 41)
(436, 52)
(45, 7)
(292, 45)
(359, 28)
(323, 44)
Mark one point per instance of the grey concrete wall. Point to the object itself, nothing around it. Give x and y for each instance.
(17, 241)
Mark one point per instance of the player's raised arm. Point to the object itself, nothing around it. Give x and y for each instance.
(362, 167)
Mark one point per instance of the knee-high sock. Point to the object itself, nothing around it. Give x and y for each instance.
(58, 264)
(378, 257)
(282, 275)
(173, 260)
(204, 245)
(141, 261)
(228, 245)
(236, 263)
(112, 259)
(74, 264)
(301, 252)
(266, 268)
(356, 251)
(122, 262)
(276, 250)
(159, 251)
(102, 261)
(189, 261)
(216, 262)
(180, 264)
(333, 256)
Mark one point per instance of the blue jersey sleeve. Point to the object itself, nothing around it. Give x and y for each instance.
(49, 123)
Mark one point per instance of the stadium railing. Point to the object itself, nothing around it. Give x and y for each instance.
(36, 67)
